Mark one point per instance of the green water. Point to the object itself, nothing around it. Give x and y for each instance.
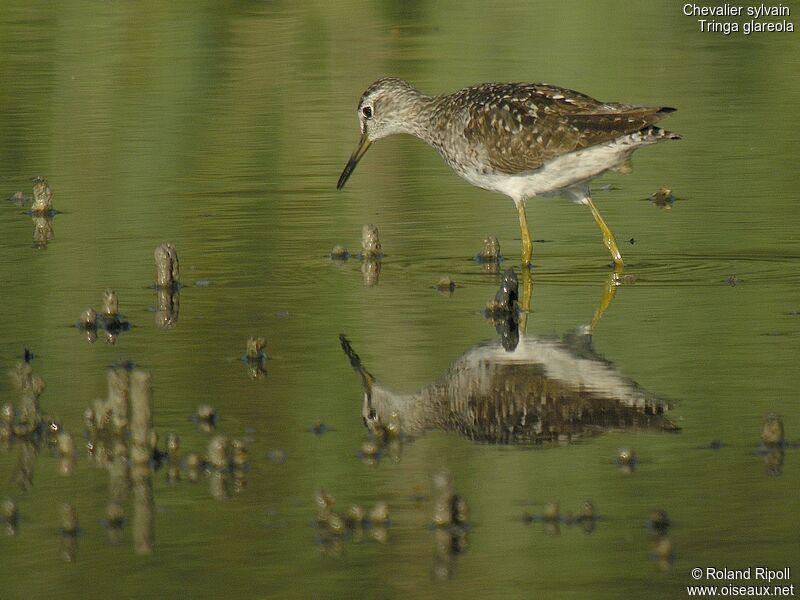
(223, 127)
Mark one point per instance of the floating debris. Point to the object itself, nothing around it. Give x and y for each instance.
(587, 517)
(370, 450)
(659, 522)
(370, 243)
(379, 514)
(277, 456)
(167, 286)
(42, 197)
(109, 320)
(490, 252)
(19, 198)
(205, 417)
(255, 357)
(334, 528)
(772, 431)
(773, 444)
(194, 466)
(446, 285)
(732, 280)
(663, 198)
(173, 457)
(551, 512)
(632, 241)
(449, 508)
(218, 453)
(355, 516)
(238, 454)
(339, 253)
(65, 445)
(319, 428)
(324, 504)
(626, 459)
(167, 266)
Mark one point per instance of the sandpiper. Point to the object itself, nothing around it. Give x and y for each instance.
(520, 139)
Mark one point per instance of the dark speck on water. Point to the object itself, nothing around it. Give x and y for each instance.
(319, 428)
(278, 456)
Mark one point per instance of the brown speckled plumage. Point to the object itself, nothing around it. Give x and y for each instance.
(519, 139)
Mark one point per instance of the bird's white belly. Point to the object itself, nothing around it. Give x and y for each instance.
(558, 175)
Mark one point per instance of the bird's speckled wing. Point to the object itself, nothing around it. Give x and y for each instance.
(521, 127)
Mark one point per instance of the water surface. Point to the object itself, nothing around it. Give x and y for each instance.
(224, 130)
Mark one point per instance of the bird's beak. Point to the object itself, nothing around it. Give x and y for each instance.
(363, 145)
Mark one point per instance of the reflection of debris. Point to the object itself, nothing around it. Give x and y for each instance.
(43, 232)
(659, 524)
(10, 515)
(370, 271)
(450, 514)
(503, 311)
(69, 530)
(663, 198)
(663, 553)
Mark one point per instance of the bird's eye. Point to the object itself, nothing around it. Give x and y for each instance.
(367, 112)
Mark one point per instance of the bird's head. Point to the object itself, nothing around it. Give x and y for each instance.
(382, 111)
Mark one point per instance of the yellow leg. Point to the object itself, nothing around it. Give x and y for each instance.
(525, 301)
(527, 246)
(608, 237)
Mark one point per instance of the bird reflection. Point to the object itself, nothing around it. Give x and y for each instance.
(520, 389)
